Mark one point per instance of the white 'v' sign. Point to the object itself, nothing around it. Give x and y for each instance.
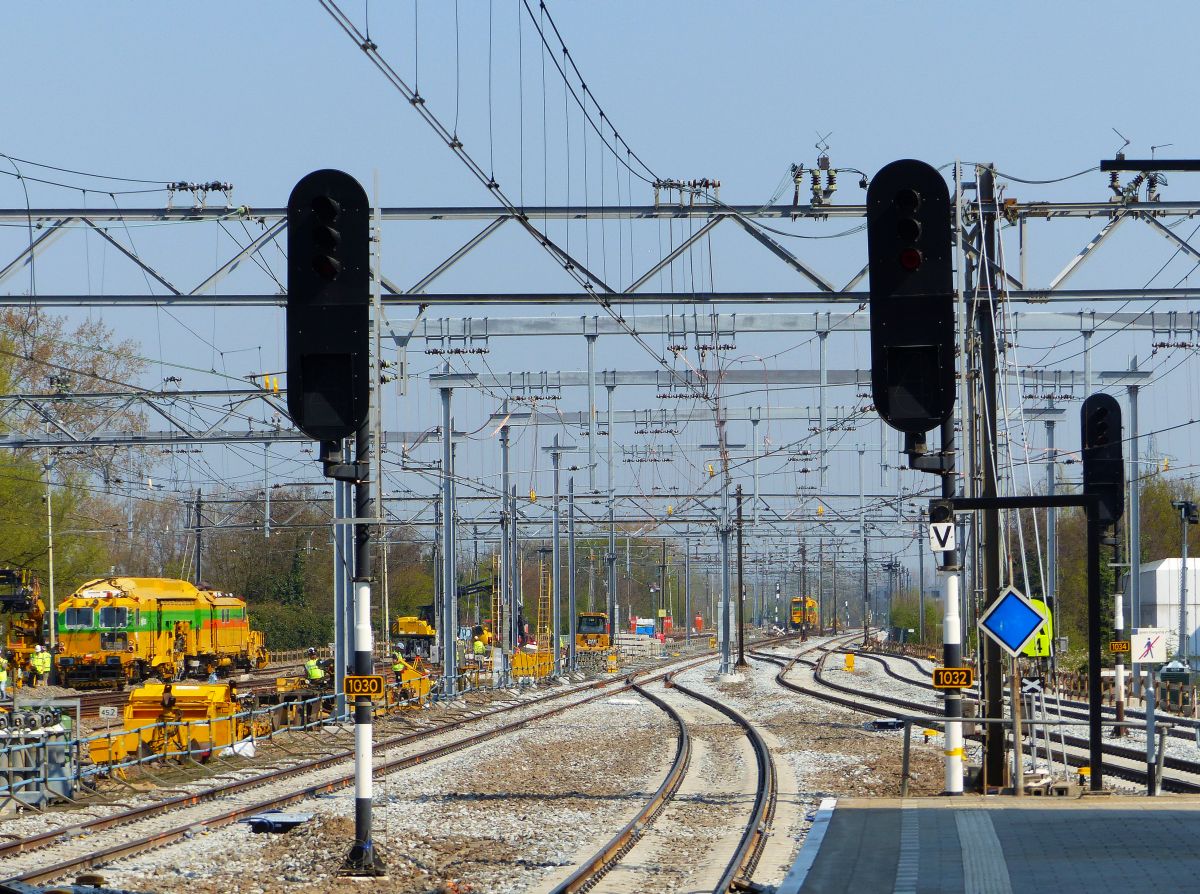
(941, 536)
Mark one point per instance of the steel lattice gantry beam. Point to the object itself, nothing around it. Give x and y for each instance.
(449, 333)
(1112, 212)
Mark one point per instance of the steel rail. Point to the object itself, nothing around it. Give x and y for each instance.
(857, 704)
(738, 871)
(159, 839)
(594, 869)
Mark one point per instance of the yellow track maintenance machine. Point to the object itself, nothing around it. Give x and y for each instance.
(21, 603)
(179, 721)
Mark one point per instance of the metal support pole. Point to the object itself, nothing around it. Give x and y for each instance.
(687, 589)
(504, 624)
(340, 562)
(572, 616)
(363, 859)
(1151, 788)
(822, 435)
(754, 420)
(376, 408)
(556, 564)
(920, 586)
(951, 634)
(1119, 663)
(1184, 634)
(591, 394)
(804, 591)
(515, 576)
(862, 524)
(448, 630)
(662, 590)
(994, 746)
(1095, 720)
(1052, 543)
(741, 633)
(611, 556)
(1135, 512)
(53, 619)
(266, 492)
(199, 533)
(725, 666)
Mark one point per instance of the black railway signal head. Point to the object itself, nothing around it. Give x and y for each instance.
(909, 256)
(328, 306)
(1103, 455)
(941, 511)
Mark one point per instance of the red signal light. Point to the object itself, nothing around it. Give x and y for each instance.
(910, 259)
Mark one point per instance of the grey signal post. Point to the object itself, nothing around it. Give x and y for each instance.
(329, 399)
(1187, 516)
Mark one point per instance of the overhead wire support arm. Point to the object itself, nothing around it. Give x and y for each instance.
(588, 280)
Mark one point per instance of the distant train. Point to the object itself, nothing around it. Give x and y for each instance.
(118, 630)
(803, 613)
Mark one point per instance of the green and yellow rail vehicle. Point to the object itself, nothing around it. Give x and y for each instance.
(118, 630)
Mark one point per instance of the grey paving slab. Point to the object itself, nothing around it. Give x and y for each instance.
(1002, 845)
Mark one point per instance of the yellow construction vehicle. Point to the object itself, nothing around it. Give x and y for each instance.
(591, 632)
(413, 679)
(177, 720)
(414, 635)
(21, 600)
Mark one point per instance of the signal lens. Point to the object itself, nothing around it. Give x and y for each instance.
(326, 208)
(327, 267)
(910, 259)
(326, 238)
(907, 200)
(908, 229)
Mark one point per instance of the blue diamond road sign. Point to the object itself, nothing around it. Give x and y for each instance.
(1011, 621)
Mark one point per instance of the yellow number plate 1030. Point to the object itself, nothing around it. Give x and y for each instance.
(953, 677)
(355, 686)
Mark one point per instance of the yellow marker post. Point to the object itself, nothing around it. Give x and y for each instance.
(849, 663)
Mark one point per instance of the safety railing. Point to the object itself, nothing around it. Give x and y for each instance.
(1154, 782)
(60, 763)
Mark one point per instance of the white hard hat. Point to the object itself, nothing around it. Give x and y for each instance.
(38, 647)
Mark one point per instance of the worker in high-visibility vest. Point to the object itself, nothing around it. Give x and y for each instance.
(40, 661)
(397, 664)
(312, 668)
(3, 677)
(479, 649)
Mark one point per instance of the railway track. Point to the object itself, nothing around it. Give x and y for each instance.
(66, 850)
(739, 868)
(1124, 762)
(1183, 728)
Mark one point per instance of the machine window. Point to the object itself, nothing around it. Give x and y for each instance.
(114, 617)
(77, 618)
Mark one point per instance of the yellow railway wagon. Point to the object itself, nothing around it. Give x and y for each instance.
(803, 612)
(118, 630)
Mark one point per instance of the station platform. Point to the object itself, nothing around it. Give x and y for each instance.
(1000, 845)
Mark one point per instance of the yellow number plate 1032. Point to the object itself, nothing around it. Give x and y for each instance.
(355, 686)
(953, 677)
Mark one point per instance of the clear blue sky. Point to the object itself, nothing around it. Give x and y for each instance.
(260, 93)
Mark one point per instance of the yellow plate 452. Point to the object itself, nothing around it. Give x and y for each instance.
(953, 677)
(363, 685)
